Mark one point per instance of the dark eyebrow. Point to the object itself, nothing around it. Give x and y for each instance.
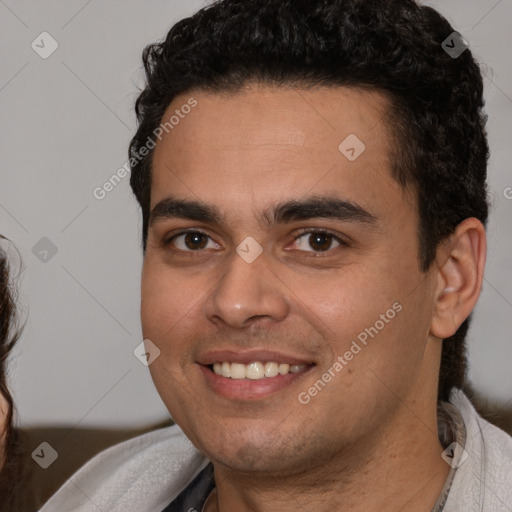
(318, 207)
(289, 211)
(171, 207)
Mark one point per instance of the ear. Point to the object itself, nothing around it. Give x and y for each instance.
(461, 261)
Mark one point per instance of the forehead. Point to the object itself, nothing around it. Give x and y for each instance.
(265, 142)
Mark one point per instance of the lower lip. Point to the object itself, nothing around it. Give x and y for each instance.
(248, 389)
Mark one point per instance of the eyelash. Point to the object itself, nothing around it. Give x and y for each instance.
(343, 243)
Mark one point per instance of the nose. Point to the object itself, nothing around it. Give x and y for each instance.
(246, 293)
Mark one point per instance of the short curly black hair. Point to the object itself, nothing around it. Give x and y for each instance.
(393, 47)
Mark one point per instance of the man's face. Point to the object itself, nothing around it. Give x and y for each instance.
(326, 276)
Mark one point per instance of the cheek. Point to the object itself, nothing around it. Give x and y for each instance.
(164, 309)
(3, 415)
(371, 319)
(171, 312)
(343, 305)
(166, 299)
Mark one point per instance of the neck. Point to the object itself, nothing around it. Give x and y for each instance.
(399, 469)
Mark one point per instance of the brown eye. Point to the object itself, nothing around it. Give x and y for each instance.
(317, 241)
(191, 241)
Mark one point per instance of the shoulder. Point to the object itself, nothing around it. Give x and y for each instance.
(144, 473)
(483, 478)
(481, 435)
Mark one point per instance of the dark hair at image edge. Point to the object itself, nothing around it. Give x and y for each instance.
(439, 148)
(9, 334)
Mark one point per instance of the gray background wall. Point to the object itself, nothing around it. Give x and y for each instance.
(65, 126)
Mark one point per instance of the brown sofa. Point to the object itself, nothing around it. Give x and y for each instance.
(74, 446)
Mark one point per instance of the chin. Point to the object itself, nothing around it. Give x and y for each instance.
(262, 452)
(252, 459)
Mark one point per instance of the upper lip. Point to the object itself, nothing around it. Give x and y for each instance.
(249, 356)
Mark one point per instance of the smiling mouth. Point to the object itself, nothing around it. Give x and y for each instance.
(257, 370)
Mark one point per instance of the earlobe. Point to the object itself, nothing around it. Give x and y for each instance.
(461, 262)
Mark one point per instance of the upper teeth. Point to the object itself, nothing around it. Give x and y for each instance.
(256, 370)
